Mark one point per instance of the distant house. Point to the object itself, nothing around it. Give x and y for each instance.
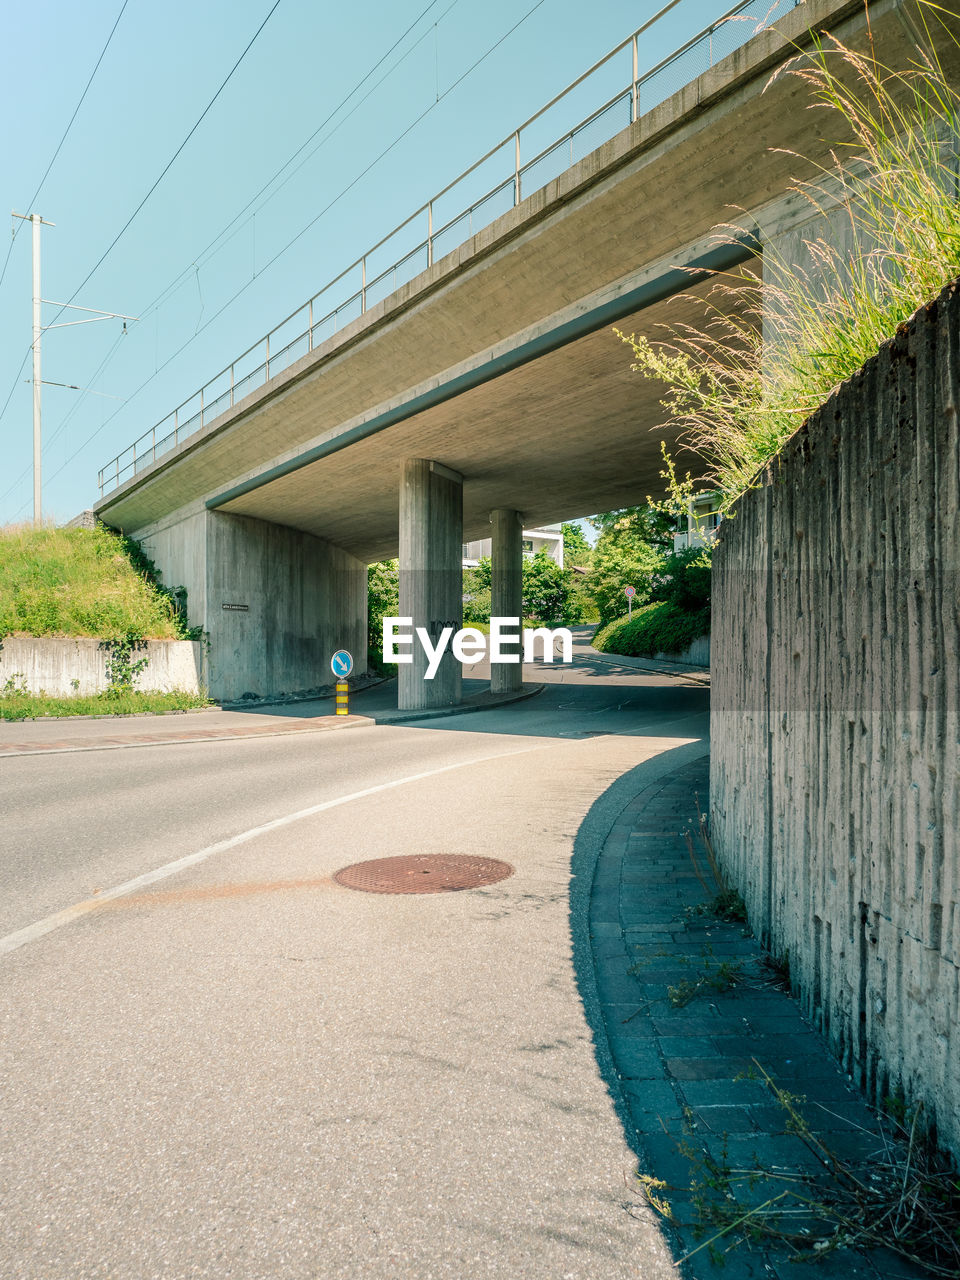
(548, 537)
(701, 524)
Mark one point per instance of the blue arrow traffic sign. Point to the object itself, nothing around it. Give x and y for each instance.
(341, 664)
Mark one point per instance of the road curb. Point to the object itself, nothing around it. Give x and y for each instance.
(686, 1068)
(480, 702)
(319, 724)
(322, 724)
(651, 665)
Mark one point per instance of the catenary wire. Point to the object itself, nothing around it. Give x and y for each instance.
(302, 232)
(184, 275)
(202, 255)
(157, 182)
(46, 172)
(170, 163)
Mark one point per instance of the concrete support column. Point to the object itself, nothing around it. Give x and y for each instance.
(431, 577)
(506, 590)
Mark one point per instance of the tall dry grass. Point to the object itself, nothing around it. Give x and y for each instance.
(892, 188)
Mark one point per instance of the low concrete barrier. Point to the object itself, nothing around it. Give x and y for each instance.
(697, 654)
(61, 666)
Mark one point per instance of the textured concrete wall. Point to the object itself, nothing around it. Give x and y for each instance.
(696, 654)
(178, 547)
(52, 663)
(835, 776)
(304, 600)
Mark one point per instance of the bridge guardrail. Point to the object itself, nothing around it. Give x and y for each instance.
(432, 231)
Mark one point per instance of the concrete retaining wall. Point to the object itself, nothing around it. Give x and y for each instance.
(696, 654)
(51, 664)
(835, 775)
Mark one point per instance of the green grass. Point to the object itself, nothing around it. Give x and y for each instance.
(655, 628)
(79, 582)
(737, 401)
(37, 706)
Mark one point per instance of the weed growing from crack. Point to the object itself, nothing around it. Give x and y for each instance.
(904, 1197)
(716, 976)
(724, 902)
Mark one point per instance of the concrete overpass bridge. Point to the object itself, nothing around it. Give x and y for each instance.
(473, 382)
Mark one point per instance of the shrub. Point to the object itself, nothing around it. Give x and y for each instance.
(546, 590)
(383, 601)
(658, 627)
(477, 606)
(618, 566)
(683, 579)
(476, 592)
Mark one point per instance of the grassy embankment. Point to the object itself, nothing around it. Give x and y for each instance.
(84, 583)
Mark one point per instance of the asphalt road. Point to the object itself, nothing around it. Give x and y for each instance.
(242, 1069)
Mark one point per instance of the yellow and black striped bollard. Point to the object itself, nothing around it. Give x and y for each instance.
(343, 708)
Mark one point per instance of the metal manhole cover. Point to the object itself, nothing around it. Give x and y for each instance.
(423, 873)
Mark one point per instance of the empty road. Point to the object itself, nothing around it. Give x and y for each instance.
(239, 1068)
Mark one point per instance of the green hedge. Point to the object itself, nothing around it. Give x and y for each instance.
(661, 627)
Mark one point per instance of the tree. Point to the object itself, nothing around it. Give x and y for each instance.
(576, 548)
(618, 564)
(383, 601)
(630, 549)
(476, 591)
(546, 590)
(633, 526)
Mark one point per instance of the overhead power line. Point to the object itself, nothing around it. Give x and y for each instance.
(170, 163)
(199, 259)
(184, 274)
(399, 138)
(157, 182)
(63, 139)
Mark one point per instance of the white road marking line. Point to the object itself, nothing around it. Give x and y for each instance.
(60, 918)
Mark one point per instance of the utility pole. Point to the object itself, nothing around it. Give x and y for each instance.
(38, 329)
(37, 222)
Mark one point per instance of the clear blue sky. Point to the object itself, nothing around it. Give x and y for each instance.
(161, 69)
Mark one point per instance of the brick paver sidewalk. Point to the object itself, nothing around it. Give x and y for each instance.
(681, 1069)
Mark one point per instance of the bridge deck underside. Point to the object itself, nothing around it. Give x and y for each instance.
(423, 373)
(572, 432)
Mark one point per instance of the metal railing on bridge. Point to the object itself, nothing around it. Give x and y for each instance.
(433, 230)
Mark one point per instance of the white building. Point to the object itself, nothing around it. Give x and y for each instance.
(548, 537)
(702, 522)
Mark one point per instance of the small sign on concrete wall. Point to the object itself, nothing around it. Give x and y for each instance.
(235, 608)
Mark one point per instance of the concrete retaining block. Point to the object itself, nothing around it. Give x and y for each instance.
(53, 663)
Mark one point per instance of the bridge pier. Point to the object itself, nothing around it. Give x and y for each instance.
(506, 589)
(431, 577)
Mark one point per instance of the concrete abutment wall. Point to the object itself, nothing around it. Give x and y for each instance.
(275, 602)
(835, 776)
